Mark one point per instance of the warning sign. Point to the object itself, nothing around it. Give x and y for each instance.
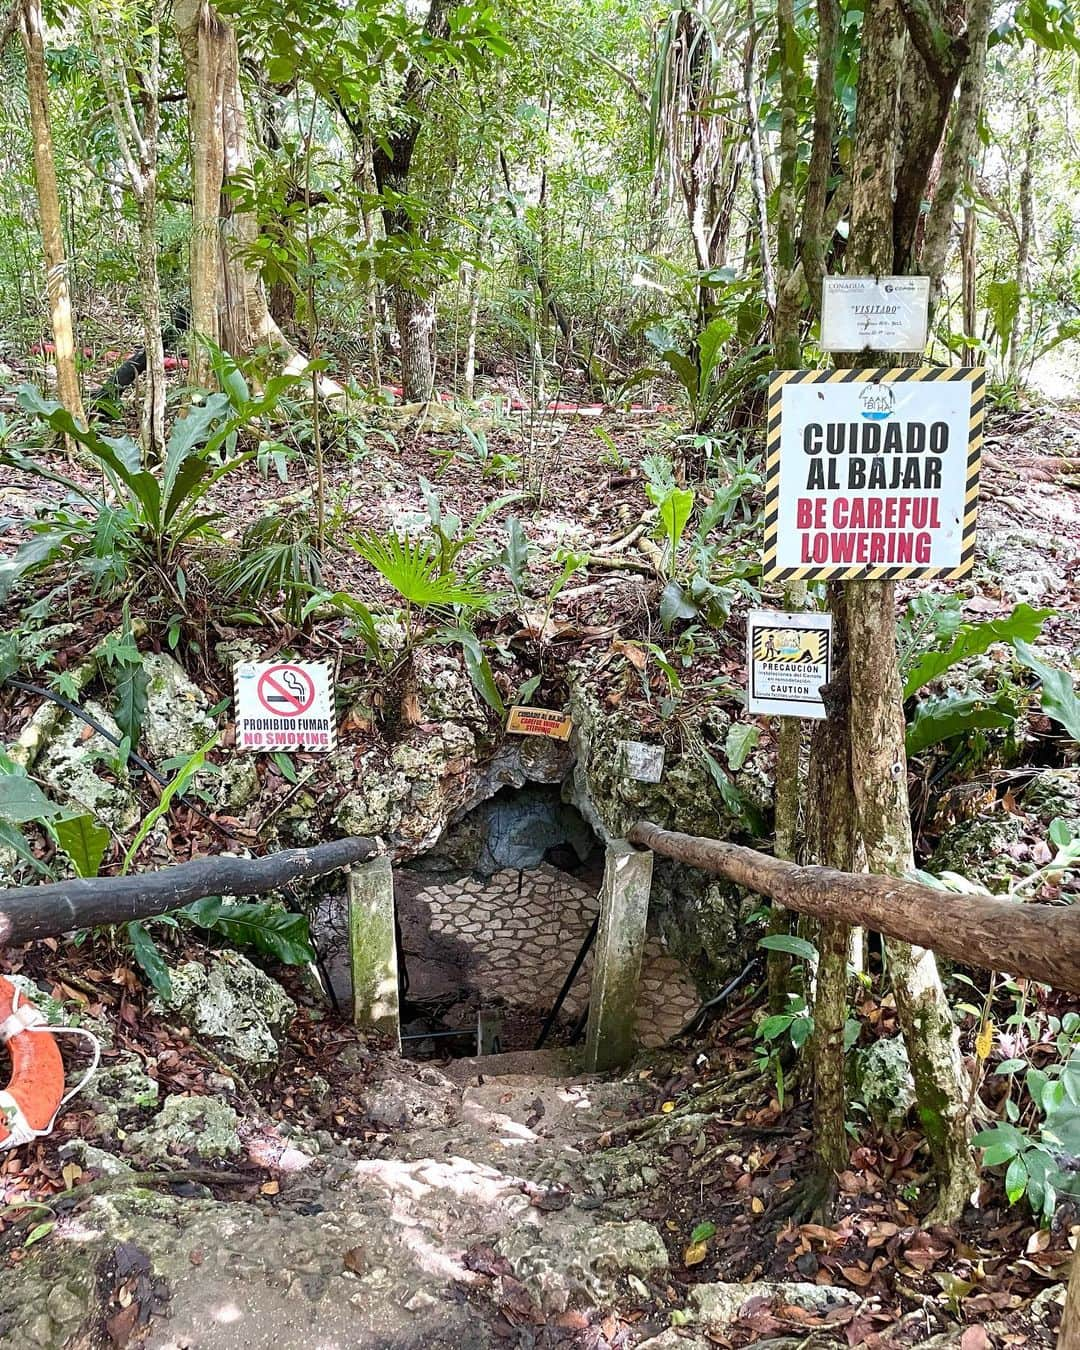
(789, 658)
(539, 722)
(872, 474)
(284, 705)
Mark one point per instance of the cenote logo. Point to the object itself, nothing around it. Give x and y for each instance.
(878, 402)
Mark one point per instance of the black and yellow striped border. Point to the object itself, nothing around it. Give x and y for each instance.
(976, 376)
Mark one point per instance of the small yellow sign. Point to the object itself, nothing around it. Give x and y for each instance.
(539, 722)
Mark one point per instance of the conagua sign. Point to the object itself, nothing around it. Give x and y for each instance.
(872, 474)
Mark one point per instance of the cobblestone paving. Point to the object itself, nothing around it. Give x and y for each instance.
(518, 947)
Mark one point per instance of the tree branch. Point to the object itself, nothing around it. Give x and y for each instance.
(31, 912)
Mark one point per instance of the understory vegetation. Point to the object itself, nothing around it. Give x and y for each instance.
(434, 344)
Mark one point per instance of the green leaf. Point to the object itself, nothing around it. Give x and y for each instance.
(39, 1231)
(940, 719)
(802, 1028)
(739, 805)
(1060, 832)
(1024, 623)
(269, 929)
(476, 663)
(703, 1231)
(1016, 1179)
(412, 568)
(1059, 699)
(175, 785)
(771, 1028)
(22, 801)
(674, 605)
(675, 510)
(84, 841)
(148, 955)
(741, 739)
(131, 687)
(285, 765)
(514, 559)
(788, 942)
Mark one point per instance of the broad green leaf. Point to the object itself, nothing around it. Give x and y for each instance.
(1060, 833)
(675, 605)
(276, 932)
(1023, 623)
(741, 739)
(22, 800)
(148, 955)
(131, 687)
(1016, 1179)
(1059, 699)
(790, 943)
(84, 841)
(514, 559)
(675, 510)
(703, 1231)
(710, 340)
(940, 719)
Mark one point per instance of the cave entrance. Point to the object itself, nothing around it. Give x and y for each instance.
(490, 922)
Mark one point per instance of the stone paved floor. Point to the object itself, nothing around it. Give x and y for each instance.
(482, 934)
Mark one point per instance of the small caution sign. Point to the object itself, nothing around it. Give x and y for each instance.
(789, 658)
(539, 722)
(284, 705)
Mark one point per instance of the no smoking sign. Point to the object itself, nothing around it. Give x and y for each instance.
(284, 705)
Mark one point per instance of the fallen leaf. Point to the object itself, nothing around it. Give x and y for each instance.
(695, 1253)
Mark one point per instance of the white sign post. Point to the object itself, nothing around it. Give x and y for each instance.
(788, 659)
(284, 705)
(884, 314)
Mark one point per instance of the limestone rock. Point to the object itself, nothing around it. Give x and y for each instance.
(69, 766)
(233, 1005)
(568, 1260)
(94, 1159)
(177, 720)
(978, 850)
(1055, 792)
(884, 1080)
(188, 1127)
(716, 1306)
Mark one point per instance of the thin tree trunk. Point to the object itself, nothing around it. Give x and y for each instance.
(961, 148)
(968, 263)
(228, 300)
(869, 717)
(138, 151)
(761, 200)
(1069, 1335)
(1027, 216)
(52, 235)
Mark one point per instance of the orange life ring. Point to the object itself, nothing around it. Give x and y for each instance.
(29, 1104)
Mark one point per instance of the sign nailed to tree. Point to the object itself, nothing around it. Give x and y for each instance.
(788, 658)
(872, 474)
(283, 705)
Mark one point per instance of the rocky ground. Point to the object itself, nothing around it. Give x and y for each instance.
(309, 1189)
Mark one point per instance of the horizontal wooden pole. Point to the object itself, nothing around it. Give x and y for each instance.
(31, 912)
(1041, 942)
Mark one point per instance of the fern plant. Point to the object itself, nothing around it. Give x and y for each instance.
(278, 555)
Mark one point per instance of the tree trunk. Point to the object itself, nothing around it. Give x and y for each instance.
(415, 318)
(1069, 1335)
(228, 300)
(895, 141)
(1027, 217)
(52, 235)
(961, 148)
(968, 261)
(138, 152)
(831, 842)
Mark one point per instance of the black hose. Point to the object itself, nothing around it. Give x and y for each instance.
(717, 999)
(549, 1022)
(133, 756)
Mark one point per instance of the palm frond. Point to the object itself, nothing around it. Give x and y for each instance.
(413, 568)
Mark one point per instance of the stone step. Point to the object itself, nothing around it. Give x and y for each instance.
(523, 1063)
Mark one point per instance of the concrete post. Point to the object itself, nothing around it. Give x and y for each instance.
(624, 908)
(372, 947)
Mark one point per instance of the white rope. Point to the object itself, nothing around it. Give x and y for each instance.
(31, 1019)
